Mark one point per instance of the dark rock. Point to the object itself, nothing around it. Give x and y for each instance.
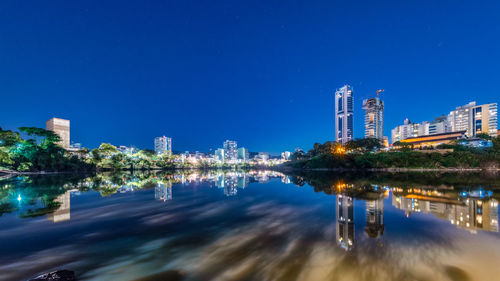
(59, 275)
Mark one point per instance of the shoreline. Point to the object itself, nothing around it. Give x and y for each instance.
(276, 168)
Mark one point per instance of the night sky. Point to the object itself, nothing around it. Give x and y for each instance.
(262, 72)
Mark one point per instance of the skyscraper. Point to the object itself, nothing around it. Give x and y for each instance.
(374, 118)
(230, 150)
(344, 114)
(61, 128)
(163, 145)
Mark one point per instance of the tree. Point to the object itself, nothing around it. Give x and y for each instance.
(46, 137)
(484, 136)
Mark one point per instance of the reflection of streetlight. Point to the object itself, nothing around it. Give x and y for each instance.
(19, 197)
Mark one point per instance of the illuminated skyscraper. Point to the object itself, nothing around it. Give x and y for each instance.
(374, 118)
(61, 128)
(344, 114)
(230, 150)
(345, 221)
(163, 145)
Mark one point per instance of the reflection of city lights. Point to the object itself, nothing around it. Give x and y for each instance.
(19, 197)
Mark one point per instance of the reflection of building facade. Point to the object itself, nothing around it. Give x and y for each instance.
(163, 191)
(469, 213)
(375, 218)
(63, 213)
(230, 182)
(345, 221)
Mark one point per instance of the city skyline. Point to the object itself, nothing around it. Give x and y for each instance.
(197, 79)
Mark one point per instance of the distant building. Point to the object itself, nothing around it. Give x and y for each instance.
(243, 154)
(61, 128)
(264, 156)
(344, 109)
(286, 155)
(230, 150)
(374, 118)
(407, 130)
(219, 154)
(163, 145)
(475, 119)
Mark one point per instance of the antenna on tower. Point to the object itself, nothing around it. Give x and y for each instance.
(379, 91)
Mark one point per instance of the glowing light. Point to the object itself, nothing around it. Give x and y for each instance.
(19, 197)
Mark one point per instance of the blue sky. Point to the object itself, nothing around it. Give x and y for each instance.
(260, 72)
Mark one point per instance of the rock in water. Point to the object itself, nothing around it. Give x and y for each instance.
(59, 275)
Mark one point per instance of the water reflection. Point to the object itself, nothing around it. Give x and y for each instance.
(247, 225)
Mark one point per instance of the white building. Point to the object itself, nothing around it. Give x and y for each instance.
(475, 119)
(344, 109)
(407, 130)
(163, 145)
(219, 154)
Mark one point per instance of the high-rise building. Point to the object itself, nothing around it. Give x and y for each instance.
(61, 128)
(344, 109)
(230, 150)
(219, 154)
(163, 145)
(474, 119)
(345, 221)
(374, 118)
(243, 154)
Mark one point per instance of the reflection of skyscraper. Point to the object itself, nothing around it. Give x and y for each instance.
(63, 213)
(345, 221)
(375, 218)
(163, 191)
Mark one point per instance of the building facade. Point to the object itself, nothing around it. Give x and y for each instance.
(61, 128)
(230, 150)
(374, 118)
(345, 221)
(163, 145)
(475, 119)
(405, 131)
(243, 154)
(344, 110)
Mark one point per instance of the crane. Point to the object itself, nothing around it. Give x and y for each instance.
(379, 91)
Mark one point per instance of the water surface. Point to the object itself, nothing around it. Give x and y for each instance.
(251, 226)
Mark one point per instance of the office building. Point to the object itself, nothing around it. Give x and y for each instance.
(243, 154)
(475, 119)
(285, 155)
(61, 128)
(163, 145)
(439, 125)
(374, 118)
(230, 150)
(407, 130)
(344, 109)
